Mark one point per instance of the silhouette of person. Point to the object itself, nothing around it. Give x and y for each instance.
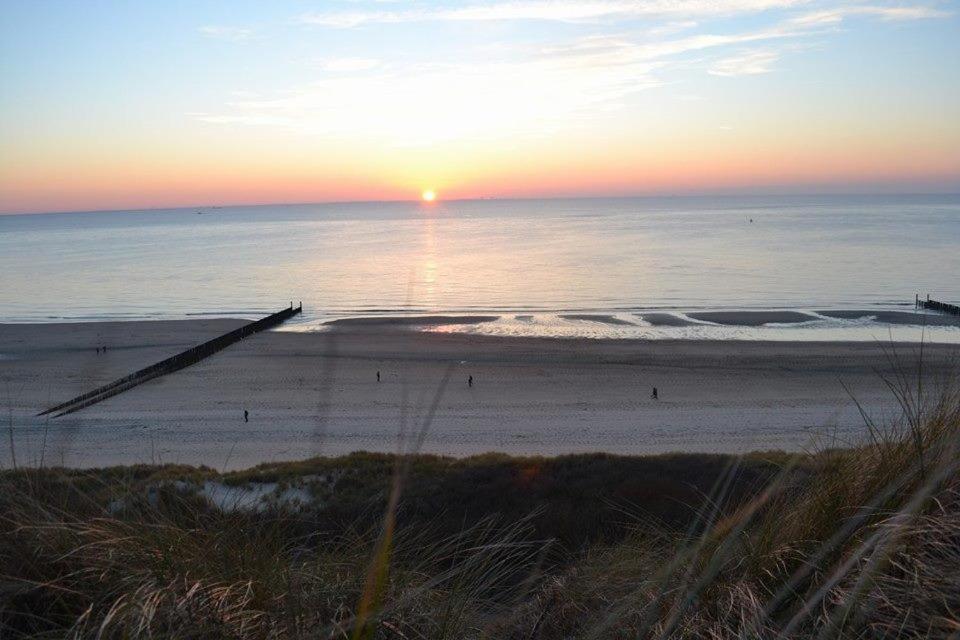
(654, 395)
(246, 416)
(470, 381)
(378, 376)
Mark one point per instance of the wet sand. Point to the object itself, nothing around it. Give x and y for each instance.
(601, 318)
(409, 321)
(751, 318)
(666, 320)
(316, 393)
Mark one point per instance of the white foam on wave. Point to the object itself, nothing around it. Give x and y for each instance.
(817, 329)
(676, 324)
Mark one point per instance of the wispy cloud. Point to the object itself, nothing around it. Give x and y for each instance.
(613, 50)
(347, 65)
(670, 28)
(556, 11)
(231, 34)
(348, 19)
(541, 91)
(678, 12)
(833, 16)
(531, 91)
(524, 89)
(424, 104)
(747, 63)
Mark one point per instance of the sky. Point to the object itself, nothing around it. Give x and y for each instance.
(122, 105)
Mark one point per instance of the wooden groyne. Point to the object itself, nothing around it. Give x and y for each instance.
(942, 307)
(174, 363)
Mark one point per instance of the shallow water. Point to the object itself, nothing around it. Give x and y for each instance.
(537, 258)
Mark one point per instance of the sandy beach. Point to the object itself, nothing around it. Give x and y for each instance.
(317, 393)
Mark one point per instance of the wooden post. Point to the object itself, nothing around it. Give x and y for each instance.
(943, 307)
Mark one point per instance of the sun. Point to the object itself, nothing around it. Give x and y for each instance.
(429, 195)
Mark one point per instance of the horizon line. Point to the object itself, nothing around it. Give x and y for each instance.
(758, 194)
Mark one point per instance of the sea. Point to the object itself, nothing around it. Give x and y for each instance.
(597, 267)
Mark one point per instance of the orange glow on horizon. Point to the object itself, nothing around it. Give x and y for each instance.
(116, 178)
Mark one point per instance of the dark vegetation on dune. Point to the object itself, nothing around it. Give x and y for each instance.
(571, 500)
(855, 543)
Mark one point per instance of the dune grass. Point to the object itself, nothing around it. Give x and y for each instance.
(862, 542)
(865, 545)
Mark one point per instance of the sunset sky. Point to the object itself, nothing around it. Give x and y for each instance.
(107, 105)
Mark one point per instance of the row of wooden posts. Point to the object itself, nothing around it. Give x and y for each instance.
(174, 363)
(935, 305)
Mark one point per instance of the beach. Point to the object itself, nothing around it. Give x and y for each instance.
(316, 393)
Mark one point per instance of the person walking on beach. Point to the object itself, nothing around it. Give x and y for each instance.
(378, 376)
(470, 381)
(654, 395)
(246, 416)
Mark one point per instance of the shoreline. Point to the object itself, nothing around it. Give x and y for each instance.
(889, 323)
(315, 393)
(733, 316)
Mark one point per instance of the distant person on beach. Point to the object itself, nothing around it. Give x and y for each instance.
(246, 416)
(378, 376)
(654, 395)
(470, 381)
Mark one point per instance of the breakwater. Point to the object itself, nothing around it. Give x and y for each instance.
(171, 364)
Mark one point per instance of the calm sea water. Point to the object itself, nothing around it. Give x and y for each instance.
(537, 258)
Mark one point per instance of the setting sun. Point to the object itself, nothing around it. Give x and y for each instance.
(429, 195)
